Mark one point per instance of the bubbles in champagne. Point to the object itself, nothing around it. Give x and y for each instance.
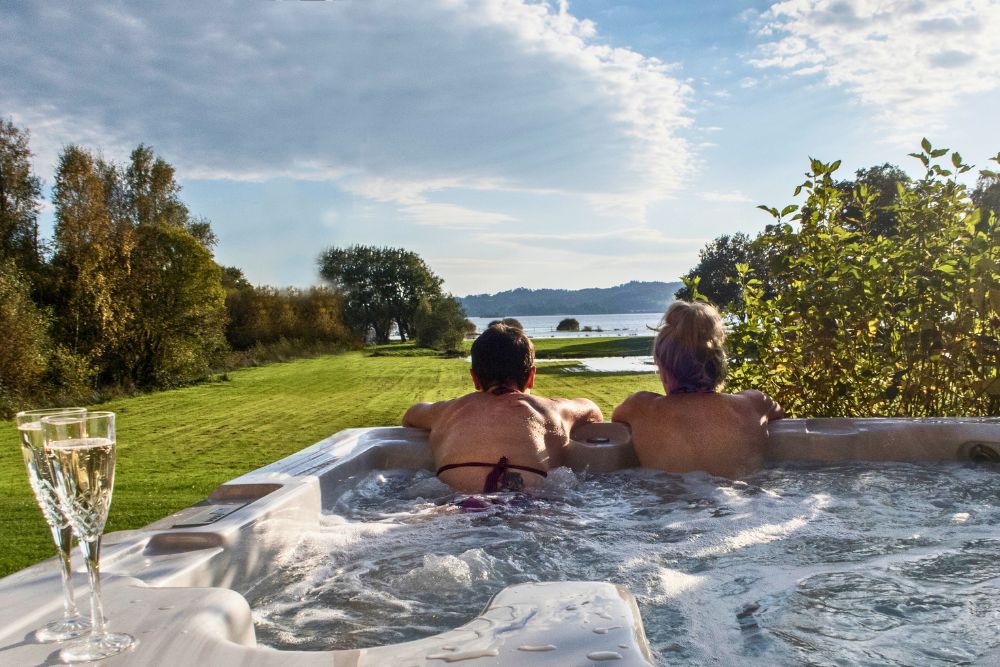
(84, 471)
(40, 473)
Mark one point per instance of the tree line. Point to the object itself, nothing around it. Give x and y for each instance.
(879, 296)
(127, 294)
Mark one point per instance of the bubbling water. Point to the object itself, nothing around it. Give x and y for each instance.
(848, 564)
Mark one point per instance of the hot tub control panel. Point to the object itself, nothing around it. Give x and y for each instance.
(210, 514)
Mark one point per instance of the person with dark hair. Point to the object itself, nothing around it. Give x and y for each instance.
(500, 437)
(695, 426)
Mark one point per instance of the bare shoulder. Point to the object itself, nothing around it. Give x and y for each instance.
(574, 410)
(763, 404)
(642, 398)
(634, 403)
(426, 415)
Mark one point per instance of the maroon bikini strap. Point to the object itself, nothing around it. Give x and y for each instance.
(497, 479)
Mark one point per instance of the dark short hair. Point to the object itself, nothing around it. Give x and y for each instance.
(502, 355)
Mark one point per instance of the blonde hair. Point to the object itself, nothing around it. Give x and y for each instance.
(690, 346)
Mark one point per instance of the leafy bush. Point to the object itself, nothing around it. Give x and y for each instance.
(568, 324)
(868, 325)
(32, 369)
(23, 330)
(440, 324)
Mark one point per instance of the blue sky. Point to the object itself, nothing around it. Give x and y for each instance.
(510, 143)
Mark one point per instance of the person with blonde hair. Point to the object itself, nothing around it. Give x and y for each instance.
(695, 426)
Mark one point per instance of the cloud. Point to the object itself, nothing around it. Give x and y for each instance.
(912, 62)
(635, 243)
(732, 196)
(452, 216)
(390, 103)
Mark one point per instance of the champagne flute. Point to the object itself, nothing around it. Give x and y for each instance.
(29, 428)
(81, 451)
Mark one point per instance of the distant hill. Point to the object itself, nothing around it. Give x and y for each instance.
(632, 297)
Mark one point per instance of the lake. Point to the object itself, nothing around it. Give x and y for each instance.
(544, 326)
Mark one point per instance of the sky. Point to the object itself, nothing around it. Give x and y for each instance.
(510, 143)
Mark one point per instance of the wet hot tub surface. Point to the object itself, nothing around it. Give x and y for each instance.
(854, 563)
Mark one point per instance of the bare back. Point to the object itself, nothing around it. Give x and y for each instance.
(723, 434)
(530, 431)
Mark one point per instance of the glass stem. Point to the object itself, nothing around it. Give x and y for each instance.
(64, 542)
(92, 553)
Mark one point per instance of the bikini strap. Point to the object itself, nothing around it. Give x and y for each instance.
(497, 478)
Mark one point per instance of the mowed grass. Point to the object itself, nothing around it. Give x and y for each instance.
(545, 348)
(175, 446)
(582, 348)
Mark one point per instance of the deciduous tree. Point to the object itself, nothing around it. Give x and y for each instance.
(382, 287)
(20, 199)
(440, 324)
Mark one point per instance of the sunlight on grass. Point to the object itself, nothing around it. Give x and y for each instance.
(175, 446)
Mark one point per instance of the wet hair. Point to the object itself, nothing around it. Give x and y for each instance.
(502, 355)
(690, 346)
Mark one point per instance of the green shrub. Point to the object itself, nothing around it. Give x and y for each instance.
(568, 324)
(865, 325)
(440, 324)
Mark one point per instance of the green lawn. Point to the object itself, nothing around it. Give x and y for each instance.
(175, 446)
(579, 348)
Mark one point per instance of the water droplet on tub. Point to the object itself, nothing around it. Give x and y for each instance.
(598, 656)
(537, 647)
(488, 652)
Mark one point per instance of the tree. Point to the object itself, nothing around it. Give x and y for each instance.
(23, 330)
(440, 324)
(90, 261)
(869, 325)
(986, 195)
(568, 324)
(716, 269)
(20, 194)
(881, 187)
(383, 287)
(154, 195)
(180, 313)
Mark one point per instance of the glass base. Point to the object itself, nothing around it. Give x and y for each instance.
(63, 629)
(98, 648)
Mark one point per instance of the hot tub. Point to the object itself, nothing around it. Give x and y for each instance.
(181, 584)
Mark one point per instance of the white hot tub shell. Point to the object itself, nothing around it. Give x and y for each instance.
(176, 584)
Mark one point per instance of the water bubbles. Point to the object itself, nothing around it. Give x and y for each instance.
(448, 572)
(876, 563)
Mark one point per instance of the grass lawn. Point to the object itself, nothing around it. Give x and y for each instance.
(545, 348)
(581, 348)
(175, 446)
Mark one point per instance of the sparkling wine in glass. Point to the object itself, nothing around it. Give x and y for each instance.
(29, 429)
(81, 451)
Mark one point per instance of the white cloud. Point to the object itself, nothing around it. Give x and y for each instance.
(633, 243)
(911, 61)
(389, 102)
(452, 216)
(732, 196)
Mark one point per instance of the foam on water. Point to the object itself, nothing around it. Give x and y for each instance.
(879, 564)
